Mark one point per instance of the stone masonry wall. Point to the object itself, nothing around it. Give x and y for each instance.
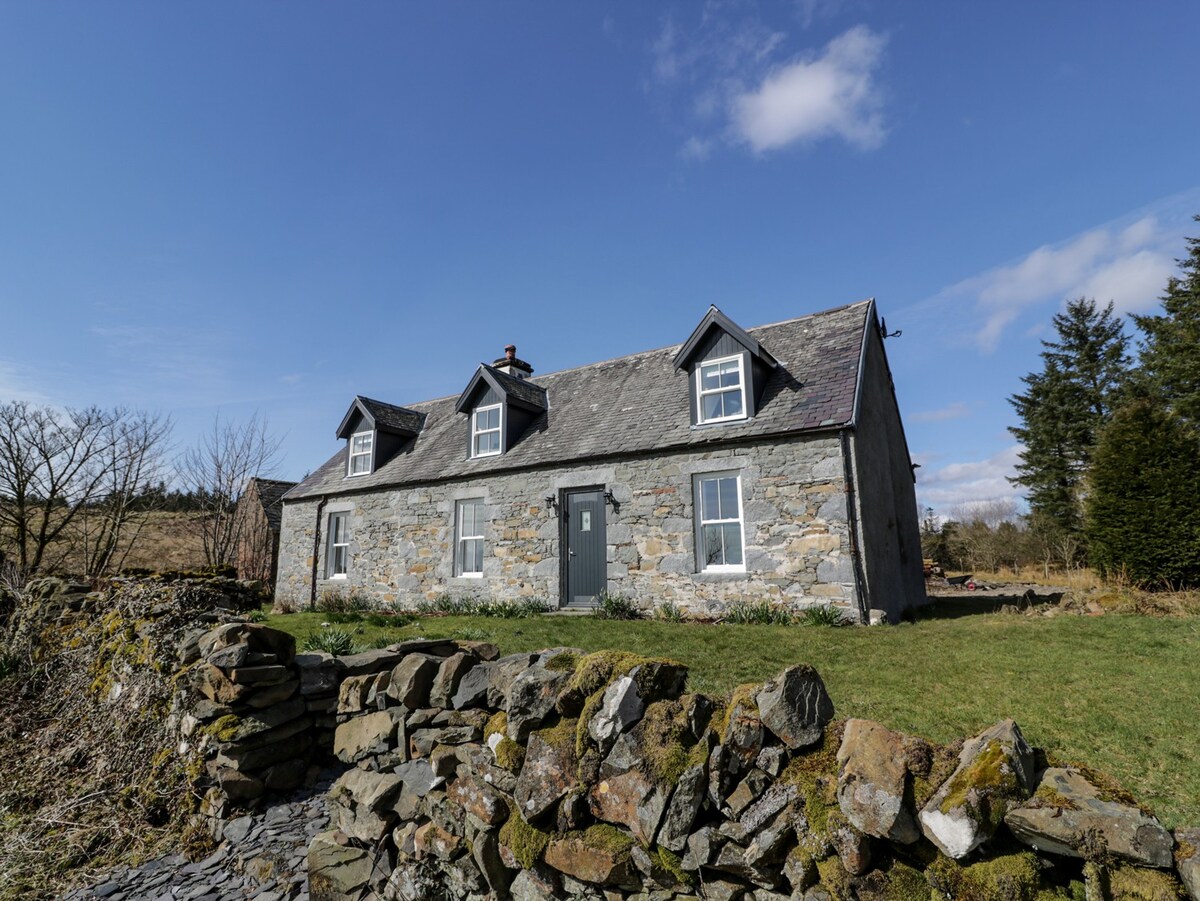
(599, 777)
(795, 525)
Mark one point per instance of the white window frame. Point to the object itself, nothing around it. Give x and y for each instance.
(460, 538)
(476, 431)
(332, 547)
(701, 393)
(369, 453)
(702, 564)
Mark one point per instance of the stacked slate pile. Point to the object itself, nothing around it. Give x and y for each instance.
(250, 718)
(560, 774)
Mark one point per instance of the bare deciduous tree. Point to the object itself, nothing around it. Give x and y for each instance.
(131, 464)
(984, 533)
(48, 473)
(217, 469)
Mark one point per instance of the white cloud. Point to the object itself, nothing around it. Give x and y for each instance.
(733, 84)
(834, 94)
(1134, 283)
(970, 482)
(956, 410)
(1128, 266)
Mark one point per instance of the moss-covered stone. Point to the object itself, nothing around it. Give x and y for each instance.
(224, 728)
(1007, 877)
(566, 662)
(1139, 884)
(1107, 788)
(670, 862)
(527, 843)
(930, 764)
(742, 698)
(606, 837)
(595, 671)
(835, 879)
(665, 743)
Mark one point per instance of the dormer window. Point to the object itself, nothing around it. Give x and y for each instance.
(361, 450)
(486, 431)
(721, 390)
(728, 370)
(501, 404)
(375, 433)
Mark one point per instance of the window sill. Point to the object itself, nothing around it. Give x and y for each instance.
(728, 575)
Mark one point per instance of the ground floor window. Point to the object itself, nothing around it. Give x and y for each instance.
(338, 549)
(718, 504)
(468, 547)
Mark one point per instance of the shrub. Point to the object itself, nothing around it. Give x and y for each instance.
(668, 612)
(522, 609)
(823, 615)
(390, 620)
(616, 606)
(1142, 519)
(338, 642)
(449, 605)
(758, 613)
(332, 600)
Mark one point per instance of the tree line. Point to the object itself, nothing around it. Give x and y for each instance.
(1110, 430)
(78, 484)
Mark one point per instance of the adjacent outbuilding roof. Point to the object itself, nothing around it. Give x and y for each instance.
(634, 404)
(270, 493)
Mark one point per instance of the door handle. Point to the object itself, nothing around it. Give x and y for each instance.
(570, 553)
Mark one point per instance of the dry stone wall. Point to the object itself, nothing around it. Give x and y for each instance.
(560, 774)
(402, 540)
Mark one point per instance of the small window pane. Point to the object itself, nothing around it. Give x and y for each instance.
(733, 403)
(730, 374)
(709, 506)
(476, 555)
(710, 377)
(712, 546)
(729, 499)
(711, 404)
(733, 543)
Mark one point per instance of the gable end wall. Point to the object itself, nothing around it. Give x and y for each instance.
(885, 495)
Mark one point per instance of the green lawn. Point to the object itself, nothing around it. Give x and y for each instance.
(1120, 693)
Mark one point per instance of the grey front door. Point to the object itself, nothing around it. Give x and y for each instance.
(586, 558)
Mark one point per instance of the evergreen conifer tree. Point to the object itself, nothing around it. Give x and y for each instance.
(1143, 521)
(1063, 408)
(1170, 352)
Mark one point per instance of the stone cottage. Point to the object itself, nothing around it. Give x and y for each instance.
(766, 464)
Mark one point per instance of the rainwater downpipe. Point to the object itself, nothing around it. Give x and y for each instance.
(860, 581)
(316, 555)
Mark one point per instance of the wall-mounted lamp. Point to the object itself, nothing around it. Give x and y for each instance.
(552, 503)
(616, 504)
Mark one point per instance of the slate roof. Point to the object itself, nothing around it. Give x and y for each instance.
(633, 404)
(270, 493)
(391, 417)
(523, 391)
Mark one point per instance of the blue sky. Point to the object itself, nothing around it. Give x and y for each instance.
(272, 207)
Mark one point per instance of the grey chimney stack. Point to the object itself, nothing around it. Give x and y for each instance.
(511, 364)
